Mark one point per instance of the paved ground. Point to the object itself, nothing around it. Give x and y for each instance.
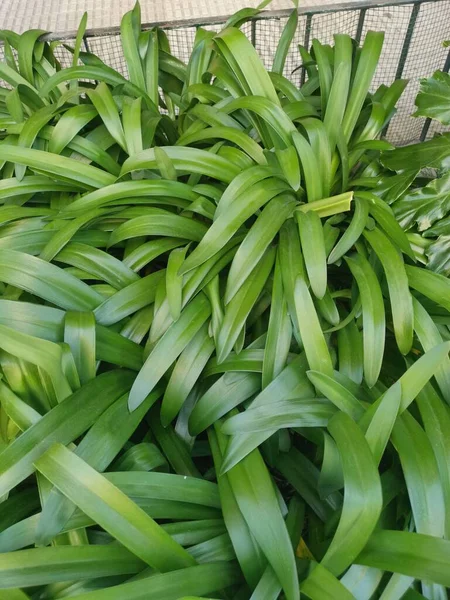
(64, 15)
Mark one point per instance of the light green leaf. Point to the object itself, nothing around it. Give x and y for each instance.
(112, 509)
(397, 280)
(168, 348)
(358, 520)
(311, 333)
(64, 423)
(373, 316)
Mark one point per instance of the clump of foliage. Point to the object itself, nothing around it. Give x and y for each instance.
(423, 209)
(223, 372)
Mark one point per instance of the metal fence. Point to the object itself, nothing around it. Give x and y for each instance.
(414, 32)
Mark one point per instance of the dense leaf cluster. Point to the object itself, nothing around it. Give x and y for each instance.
(223, 371)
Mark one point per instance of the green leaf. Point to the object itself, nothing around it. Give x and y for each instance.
(255, 495)
(432, 153)
(238, 309)
(145, 253)
(131, 189)
(435, 418)
(373, 316)
(29, 132)
(397, 280)
(313, 247)
(230, 134)
(65, 169)
(201, 579)
(329, 206)
(12, 77)
(361, 479)
(46, 355)
(104, 103)
(158, 222)
(228, 222)
(429, 337)
(186, 372)
(248, 553)
(226, 393)
(129, 28)
(284, 42)
(324, 69)
(384, 216)
(48, 323)
(290, 383)
(98, 264)
(187, 159)
(311, 333)
(140, 457)
(433, 100)
(432, 285)
(289, 163)
(271, 114)
(310, 166)
(129, 299)
(112, 509)
(131, 120)
(13, 594)
(77, 46)
(424, 206)
(279, 331)
(25, 49)
(420, 556)
(322, 585)
(350, 352)
(421, 475)
(46, 281)
(245, 63)
(79, 333)
(69, 125)
(64, 423)
(168, 348)
(331, 477)
(352, 232)
(174, 448)
(249, 359)
(418, 374)
(337, 99)
(174, 281)
(240, 184)
(367, 63)
(383, 421)
(65, 563)
(296, 412)
(151, 67)
(98, 448)
(334, 390)
(438, 253)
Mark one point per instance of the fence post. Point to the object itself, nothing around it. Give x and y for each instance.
(307, 36)
(362, 16)
(253, 32)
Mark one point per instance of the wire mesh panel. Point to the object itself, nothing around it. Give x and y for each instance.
(325, 25)
(109, 49)
(425, 55)
(63, 55)
(414, 32)
(181, 41)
